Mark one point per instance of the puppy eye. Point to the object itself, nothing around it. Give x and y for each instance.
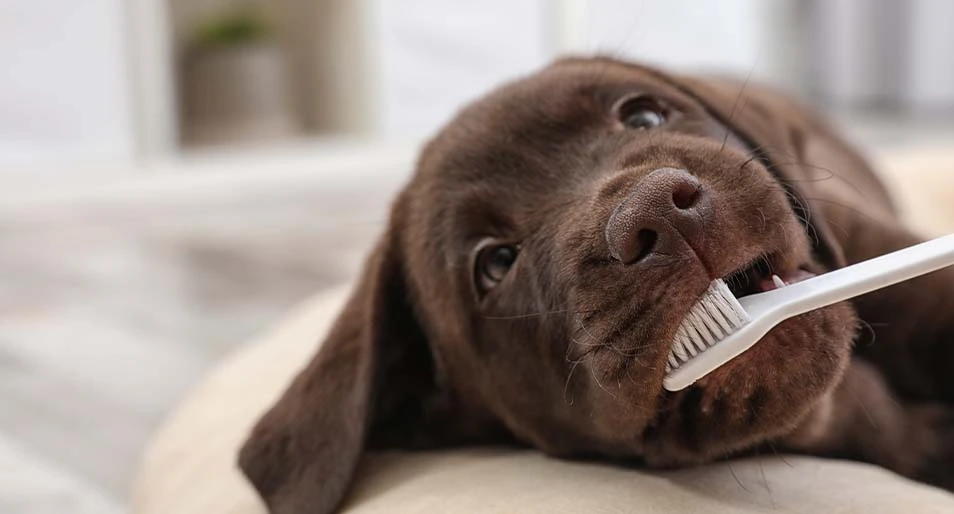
(493, 263)
(641, 112)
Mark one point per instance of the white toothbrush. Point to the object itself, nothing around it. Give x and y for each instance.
(719, 327)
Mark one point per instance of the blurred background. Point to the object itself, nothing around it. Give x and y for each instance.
(176, 174)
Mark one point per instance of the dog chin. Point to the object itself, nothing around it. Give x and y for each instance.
(787, 371)
(760, 396)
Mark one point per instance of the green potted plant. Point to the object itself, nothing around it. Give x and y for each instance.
(234, 87)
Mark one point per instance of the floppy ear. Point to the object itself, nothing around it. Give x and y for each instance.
(303, 452)
(781, 135)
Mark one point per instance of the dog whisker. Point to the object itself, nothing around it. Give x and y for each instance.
(779, 455)
(566, 385)
(765, 480)
(735, 104)
(736, 477)
(528, 315)
(598, 383)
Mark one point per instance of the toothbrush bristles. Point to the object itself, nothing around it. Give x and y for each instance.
(716, 315)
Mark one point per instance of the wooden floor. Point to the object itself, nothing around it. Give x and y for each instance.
(108, 316)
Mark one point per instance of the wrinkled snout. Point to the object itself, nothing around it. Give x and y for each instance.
(663, 218)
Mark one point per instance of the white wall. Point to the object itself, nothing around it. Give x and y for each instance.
(436, 55)
(63, 82)
(727, 35)
(929, 74)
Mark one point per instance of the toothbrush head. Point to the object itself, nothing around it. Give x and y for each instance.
(715, 316)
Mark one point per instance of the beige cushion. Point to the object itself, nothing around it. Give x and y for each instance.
(189, 467)
(922, 180)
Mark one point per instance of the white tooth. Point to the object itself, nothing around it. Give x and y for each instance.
(779, 283)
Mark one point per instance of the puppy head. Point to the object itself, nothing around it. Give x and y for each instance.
(534, 273)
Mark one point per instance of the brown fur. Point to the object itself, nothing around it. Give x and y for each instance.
(567, 352)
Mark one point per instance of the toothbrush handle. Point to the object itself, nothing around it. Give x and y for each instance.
(870, 275)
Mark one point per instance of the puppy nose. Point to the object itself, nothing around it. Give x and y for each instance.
(664, 215)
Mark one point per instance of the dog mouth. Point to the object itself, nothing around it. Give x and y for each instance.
(762, 274)
(758, 276)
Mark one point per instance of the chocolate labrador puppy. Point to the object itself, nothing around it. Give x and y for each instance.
(533, 273)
